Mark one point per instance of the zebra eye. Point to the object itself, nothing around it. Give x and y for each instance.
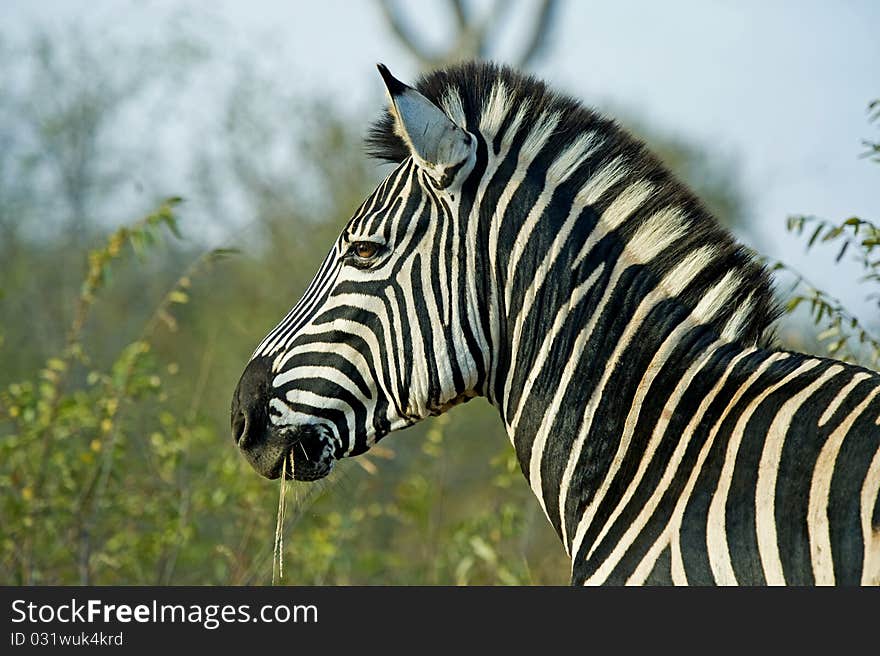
(365, 249)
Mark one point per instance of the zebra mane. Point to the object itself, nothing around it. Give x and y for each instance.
(500, 103)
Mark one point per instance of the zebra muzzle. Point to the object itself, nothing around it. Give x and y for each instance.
(307, 448)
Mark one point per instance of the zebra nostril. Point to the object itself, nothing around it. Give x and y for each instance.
(249, 413)
(239, 427)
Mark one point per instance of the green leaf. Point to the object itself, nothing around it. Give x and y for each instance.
(834, 233)
(815, 235)
(220, 253)
(171, 222)
(56, 364)
(834, 347)
(482, 549)
(178, 296)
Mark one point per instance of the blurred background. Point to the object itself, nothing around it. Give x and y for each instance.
(172, 174)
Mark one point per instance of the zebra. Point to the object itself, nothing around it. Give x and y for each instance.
(528, 250)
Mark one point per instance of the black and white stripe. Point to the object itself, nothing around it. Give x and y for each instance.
(532, 252)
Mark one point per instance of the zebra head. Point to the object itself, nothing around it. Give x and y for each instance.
(381, 338)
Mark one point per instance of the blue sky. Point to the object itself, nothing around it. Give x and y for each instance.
(781, 87)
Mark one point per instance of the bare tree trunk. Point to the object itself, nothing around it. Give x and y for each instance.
(473, 35)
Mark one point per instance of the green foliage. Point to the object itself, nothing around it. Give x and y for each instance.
(119, 360)
(73, 449)
(437, 514)
(111, 479)
(873, 147)
(839, 331)
(116, 464)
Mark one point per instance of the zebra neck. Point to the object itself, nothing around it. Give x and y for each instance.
(615, 339)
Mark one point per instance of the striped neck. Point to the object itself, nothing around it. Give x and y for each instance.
(586, 308)
(589, 262)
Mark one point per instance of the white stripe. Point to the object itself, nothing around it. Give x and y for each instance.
(716, 297)
(561, 315)
(494, 229)
(657, 234)
(841, 397)
(540, 133)
(451, 104)
(711, 302)
(458, 268)
(647, 563)
(444, 256)
(342, 349)
(820, 488)
(716, 529)
(629, 427)
(320, 401)
(602, 180)
(870, 534)
(419, 383)
(438, 344)
(550, 414)
(734, 325)
(572, 156)
(287, 417)
(629, 200)
(671, 284)
(332, 374)
(562, 167)
(400, 350)
(768, 468)
(494, 110)
(679, 576)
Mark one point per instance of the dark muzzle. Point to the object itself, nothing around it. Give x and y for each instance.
(307, 448)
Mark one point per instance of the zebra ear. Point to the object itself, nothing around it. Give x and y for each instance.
(438, 145)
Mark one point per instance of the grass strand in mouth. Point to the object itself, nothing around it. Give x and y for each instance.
(278, 553)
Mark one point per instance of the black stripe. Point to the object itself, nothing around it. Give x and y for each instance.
(662, 572)
(688, 350)
(801, 448)
(844, 511)
(740, 510)
(692, 535)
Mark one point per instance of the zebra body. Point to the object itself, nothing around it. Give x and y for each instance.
(529, 251)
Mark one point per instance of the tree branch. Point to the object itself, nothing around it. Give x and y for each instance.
(540, 35)
(460, 12)
(473, 36)
(403, 35)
